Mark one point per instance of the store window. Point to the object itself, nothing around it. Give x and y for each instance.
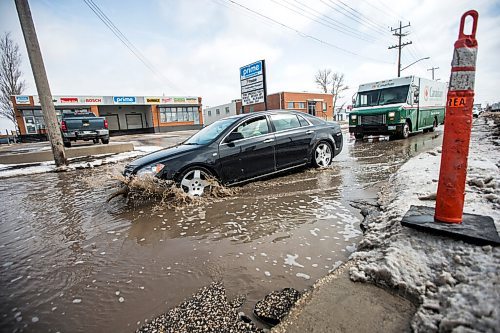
(217, 111)
(289, 105)
(301, 105)
(227, 109)
(324, 106)
(179, 114)
(209, 113)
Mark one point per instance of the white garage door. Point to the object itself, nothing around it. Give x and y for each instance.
(113, 124)
(134, 121)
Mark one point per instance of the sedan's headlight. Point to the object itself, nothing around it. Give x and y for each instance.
(353, 116)
(391, 114)
(150, 169)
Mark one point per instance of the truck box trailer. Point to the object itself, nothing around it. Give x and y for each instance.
(398, 107)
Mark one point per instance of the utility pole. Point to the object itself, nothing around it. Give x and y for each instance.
(398, 33)
(433, 69)
(41, 81)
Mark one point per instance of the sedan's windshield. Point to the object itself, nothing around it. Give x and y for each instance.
(382, 96)
(211, 132)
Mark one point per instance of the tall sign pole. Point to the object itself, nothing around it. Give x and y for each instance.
(41, 81)
(253, 84)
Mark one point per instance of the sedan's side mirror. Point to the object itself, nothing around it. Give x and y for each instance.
(233, 137)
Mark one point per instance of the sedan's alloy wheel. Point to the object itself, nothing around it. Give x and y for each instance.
(194, 182)
(323, 155)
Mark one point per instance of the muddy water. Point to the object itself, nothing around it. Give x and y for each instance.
(72, 262)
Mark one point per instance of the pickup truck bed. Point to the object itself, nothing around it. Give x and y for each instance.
(85, 126)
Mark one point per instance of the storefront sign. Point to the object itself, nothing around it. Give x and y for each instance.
(170, 100)
(68, 100)
(152, 100)
(253, 83)
(124, 100)
(92, 100)
(22, 100)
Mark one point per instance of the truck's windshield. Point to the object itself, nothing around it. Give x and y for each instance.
(385, 96)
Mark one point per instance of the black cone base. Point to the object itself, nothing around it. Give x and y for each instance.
(474, 229)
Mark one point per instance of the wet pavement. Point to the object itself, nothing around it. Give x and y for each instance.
(70, 261)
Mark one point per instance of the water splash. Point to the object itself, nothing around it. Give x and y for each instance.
(164, 193)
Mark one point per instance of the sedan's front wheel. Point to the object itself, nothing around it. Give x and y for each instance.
(195, 180)
(322, 155)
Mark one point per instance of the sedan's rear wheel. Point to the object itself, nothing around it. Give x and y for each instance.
(195, 180)
(322, 155)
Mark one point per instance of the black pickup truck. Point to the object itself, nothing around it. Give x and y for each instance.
(83, 126)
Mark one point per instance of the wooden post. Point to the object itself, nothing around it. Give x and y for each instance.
(41, 81)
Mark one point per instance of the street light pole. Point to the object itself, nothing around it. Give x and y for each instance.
(413, 63)
(41, 81)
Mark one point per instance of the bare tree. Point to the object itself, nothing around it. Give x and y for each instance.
(338, 86)
(323, 79)
(11, 82)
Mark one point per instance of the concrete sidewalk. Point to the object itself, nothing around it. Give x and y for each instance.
(78, 151)
(336, 304)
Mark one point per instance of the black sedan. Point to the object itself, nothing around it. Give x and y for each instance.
(242, 148)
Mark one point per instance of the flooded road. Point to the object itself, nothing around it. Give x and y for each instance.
(71, 262)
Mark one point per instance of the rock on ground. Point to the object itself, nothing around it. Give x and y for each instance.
(276, 305)
(206, 311)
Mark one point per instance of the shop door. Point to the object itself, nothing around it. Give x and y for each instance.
(29, 121)
(311, 108)
(134, 121)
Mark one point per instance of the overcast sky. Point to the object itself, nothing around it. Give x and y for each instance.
(195, 47)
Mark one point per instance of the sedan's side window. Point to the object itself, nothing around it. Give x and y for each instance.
(284, 122)
(302, 121)
(253, 127)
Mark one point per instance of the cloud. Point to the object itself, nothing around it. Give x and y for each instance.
(196, 47)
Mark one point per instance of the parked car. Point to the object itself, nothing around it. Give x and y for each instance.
(242, 148)
(83, 126)
(476, 110)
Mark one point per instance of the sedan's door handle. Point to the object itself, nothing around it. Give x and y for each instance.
(268, 140)
(310, 132)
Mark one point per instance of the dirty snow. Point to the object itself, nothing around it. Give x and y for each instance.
(456, 284)
(11, 170)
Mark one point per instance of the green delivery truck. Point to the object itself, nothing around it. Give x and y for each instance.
(398, 107)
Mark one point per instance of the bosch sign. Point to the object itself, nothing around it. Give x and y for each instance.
(124, 100)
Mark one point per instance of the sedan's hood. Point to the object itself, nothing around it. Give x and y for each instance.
(161, 155)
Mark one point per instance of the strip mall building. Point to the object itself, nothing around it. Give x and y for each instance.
(125, 114)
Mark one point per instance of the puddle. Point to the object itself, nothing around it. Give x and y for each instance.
(72, 260)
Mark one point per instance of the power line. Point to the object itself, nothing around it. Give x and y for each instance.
(349, 14)
(135, 51)
(380, 27)
(302, 34)
(334, 26)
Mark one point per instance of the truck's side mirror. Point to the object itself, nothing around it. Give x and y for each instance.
(415, 96)
(353, 101)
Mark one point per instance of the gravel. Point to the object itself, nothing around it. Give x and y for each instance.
(276, 305)
(208, 310)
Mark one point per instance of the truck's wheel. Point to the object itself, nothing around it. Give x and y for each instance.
(405, 132)
(105, 141)
(434, 125)
(67, 144)
(359, 136)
